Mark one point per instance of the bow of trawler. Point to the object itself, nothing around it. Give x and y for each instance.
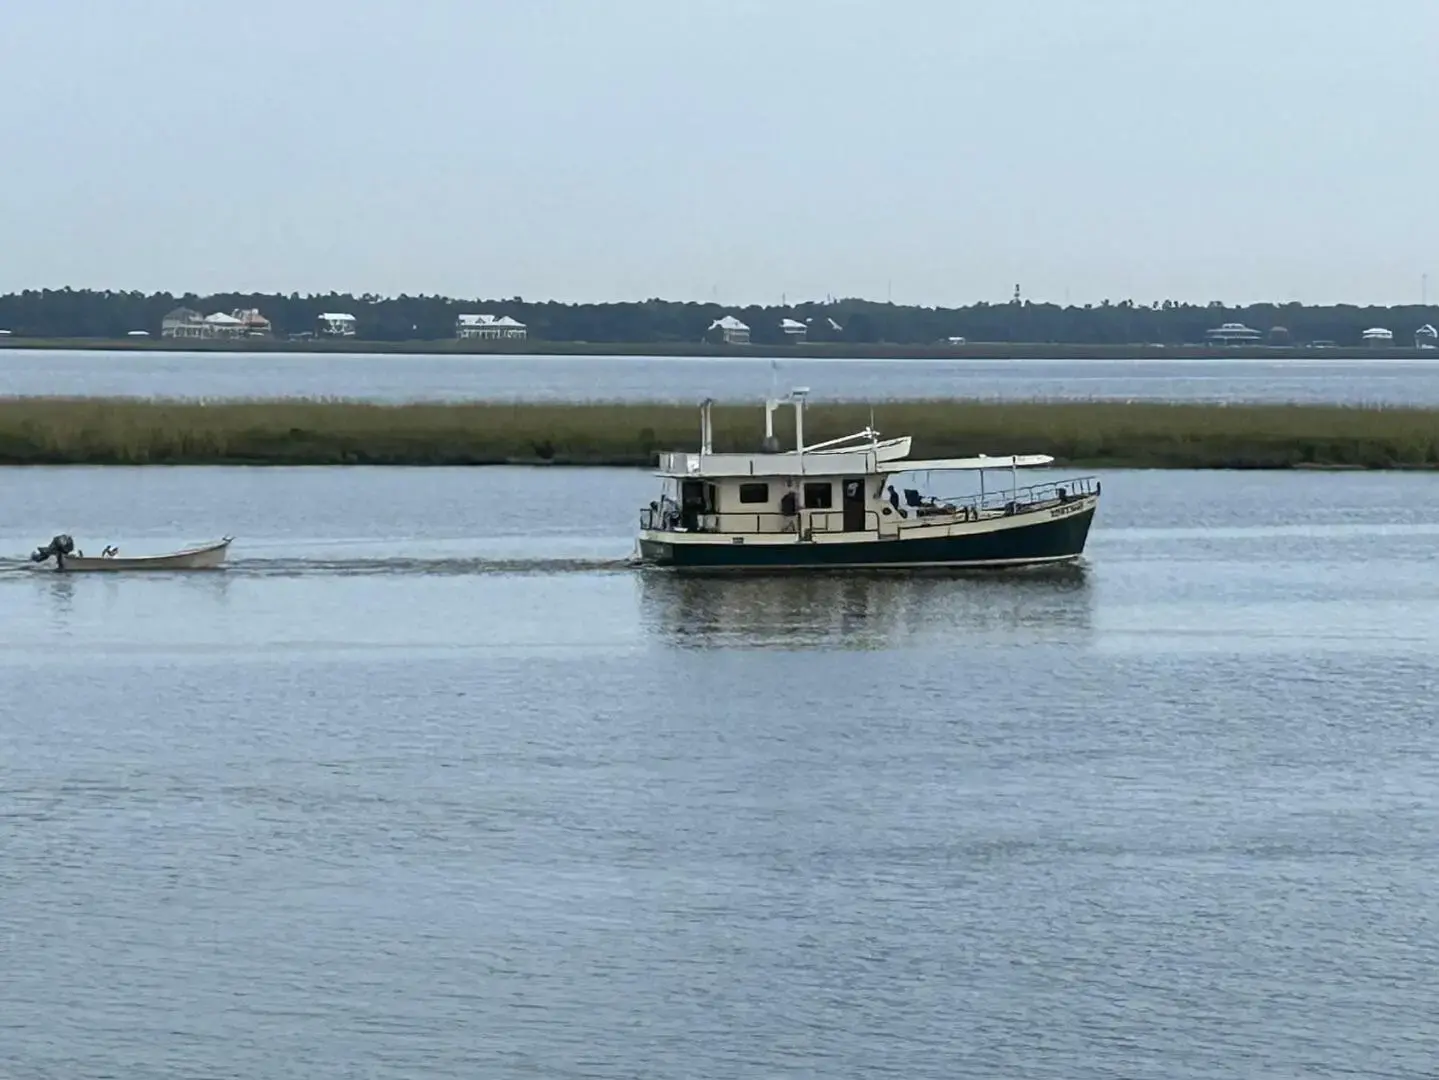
(836, 505)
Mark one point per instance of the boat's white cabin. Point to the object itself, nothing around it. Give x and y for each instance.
(844, 485)
(773, 503)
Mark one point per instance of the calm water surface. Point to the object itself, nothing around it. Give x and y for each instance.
(430, 784)
(557, 378)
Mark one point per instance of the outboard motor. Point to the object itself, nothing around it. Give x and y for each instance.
(59, 547)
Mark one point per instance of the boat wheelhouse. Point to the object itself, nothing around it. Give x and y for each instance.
(834, 505)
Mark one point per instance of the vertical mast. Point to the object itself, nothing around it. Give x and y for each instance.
(770, 444)
(797, 395)
(706, 428)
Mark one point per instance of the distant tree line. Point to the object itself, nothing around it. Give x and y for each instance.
(72, 313)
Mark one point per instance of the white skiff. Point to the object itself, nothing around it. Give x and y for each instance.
(204, 557)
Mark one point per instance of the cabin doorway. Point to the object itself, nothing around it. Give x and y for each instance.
(696, 500)
(854, 506)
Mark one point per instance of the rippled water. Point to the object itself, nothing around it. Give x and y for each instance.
(430, 784)
(558, 378)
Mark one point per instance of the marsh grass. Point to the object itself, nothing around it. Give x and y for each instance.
(95, 431)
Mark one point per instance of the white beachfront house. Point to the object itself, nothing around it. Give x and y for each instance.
(1378, 336)
(1233, 333)
(252, 323)
(183, 322)
(793, 330)
(490, 328)
(1426, 337)
(220, 325)
(335, 324)
(731, 330)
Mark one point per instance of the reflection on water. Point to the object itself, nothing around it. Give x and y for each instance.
(62, 588)
(62, 597)
(48, 614)
(860, 610)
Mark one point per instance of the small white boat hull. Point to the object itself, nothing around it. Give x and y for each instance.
(208, 557)
(885, 450)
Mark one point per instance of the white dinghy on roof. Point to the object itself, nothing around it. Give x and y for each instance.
(831, 505)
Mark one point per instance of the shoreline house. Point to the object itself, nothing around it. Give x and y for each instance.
(183, 322)
(252, 323)
(1233, 333)
(489, 328)
(220, 325)
(1377, 337)
(335, 324)
(729, 330)
(794, 331)
(1426, 337)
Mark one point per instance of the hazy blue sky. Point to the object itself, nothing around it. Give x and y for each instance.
(737, 149)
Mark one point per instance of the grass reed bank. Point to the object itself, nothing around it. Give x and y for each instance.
(127, 431)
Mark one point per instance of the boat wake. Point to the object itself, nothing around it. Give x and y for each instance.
(374, 567)
(452, 566)
(425, 567)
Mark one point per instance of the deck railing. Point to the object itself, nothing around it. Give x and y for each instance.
(832, 521)
(742, 523)
(753, 524)
(973, 506)
(1016, 500)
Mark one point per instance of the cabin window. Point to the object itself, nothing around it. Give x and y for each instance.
(754, 493)
(819, 495)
